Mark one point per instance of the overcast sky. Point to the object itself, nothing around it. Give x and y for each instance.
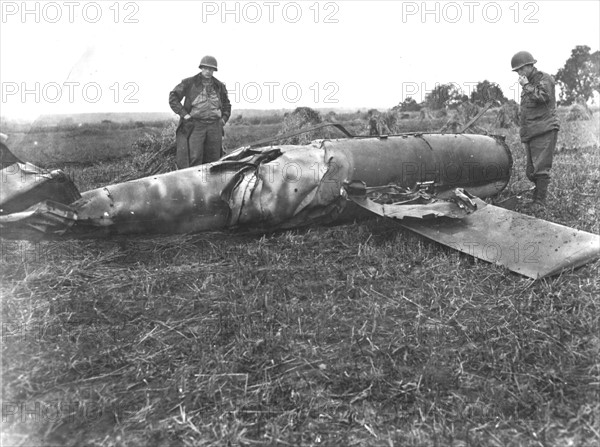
(108, 56)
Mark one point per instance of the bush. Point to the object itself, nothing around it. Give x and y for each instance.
(301, 118)
(408, 105)
(579, 112)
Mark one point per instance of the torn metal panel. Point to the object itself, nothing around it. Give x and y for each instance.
(7, 158)
(296, 189)
(23, 185)
(523, 244)
(399, 203)
(45, 219)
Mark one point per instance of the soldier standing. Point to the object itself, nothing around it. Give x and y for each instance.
(539, 123)
(203, 114)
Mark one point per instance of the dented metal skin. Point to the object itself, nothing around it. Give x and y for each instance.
(291, 186)
(432, 183)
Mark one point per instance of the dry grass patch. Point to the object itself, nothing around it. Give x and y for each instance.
(361, 334)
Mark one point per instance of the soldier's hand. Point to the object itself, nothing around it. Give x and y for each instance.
(523, 80)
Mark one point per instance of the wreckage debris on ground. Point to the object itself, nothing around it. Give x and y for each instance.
(432, 183)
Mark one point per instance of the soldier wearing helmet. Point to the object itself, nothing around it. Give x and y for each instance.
(204, 112)
(539, 123)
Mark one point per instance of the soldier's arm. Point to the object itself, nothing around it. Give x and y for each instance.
(175, 97)
(225, 104)
(540, 92)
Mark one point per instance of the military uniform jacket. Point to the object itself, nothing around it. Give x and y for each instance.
(183, 90)
(538, 106)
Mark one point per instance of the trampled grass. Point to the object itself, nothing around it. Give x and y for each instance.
(361, 334)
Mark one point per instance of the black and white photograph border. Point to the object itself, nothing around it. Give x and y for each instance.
(305, 223)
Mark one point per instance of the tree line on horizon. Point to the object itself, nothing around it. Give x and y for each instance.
(578, 79)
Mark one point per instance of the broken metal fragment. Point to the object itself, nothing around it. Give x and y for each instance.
(394, 202)
(23, 185)
(45, 219)
(532, 247)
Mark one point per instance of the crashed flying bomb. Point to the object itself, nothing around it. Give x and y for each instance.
(432, 183)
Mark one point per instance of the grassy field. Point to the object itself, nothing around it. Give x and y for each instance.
(88, 144)
(363, 334)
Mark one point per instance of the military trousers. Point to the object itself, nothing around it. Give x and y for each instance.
(198, 143)
(540, 150)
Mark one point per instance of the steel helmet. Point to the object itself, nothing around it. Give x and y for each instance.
(208, 61)
(521, 59)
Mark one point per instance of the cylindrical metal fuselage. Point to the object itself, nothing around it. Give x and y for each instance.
(295, 181)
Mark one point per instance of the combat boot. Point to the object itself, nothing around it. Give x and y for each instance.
(540, 193)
